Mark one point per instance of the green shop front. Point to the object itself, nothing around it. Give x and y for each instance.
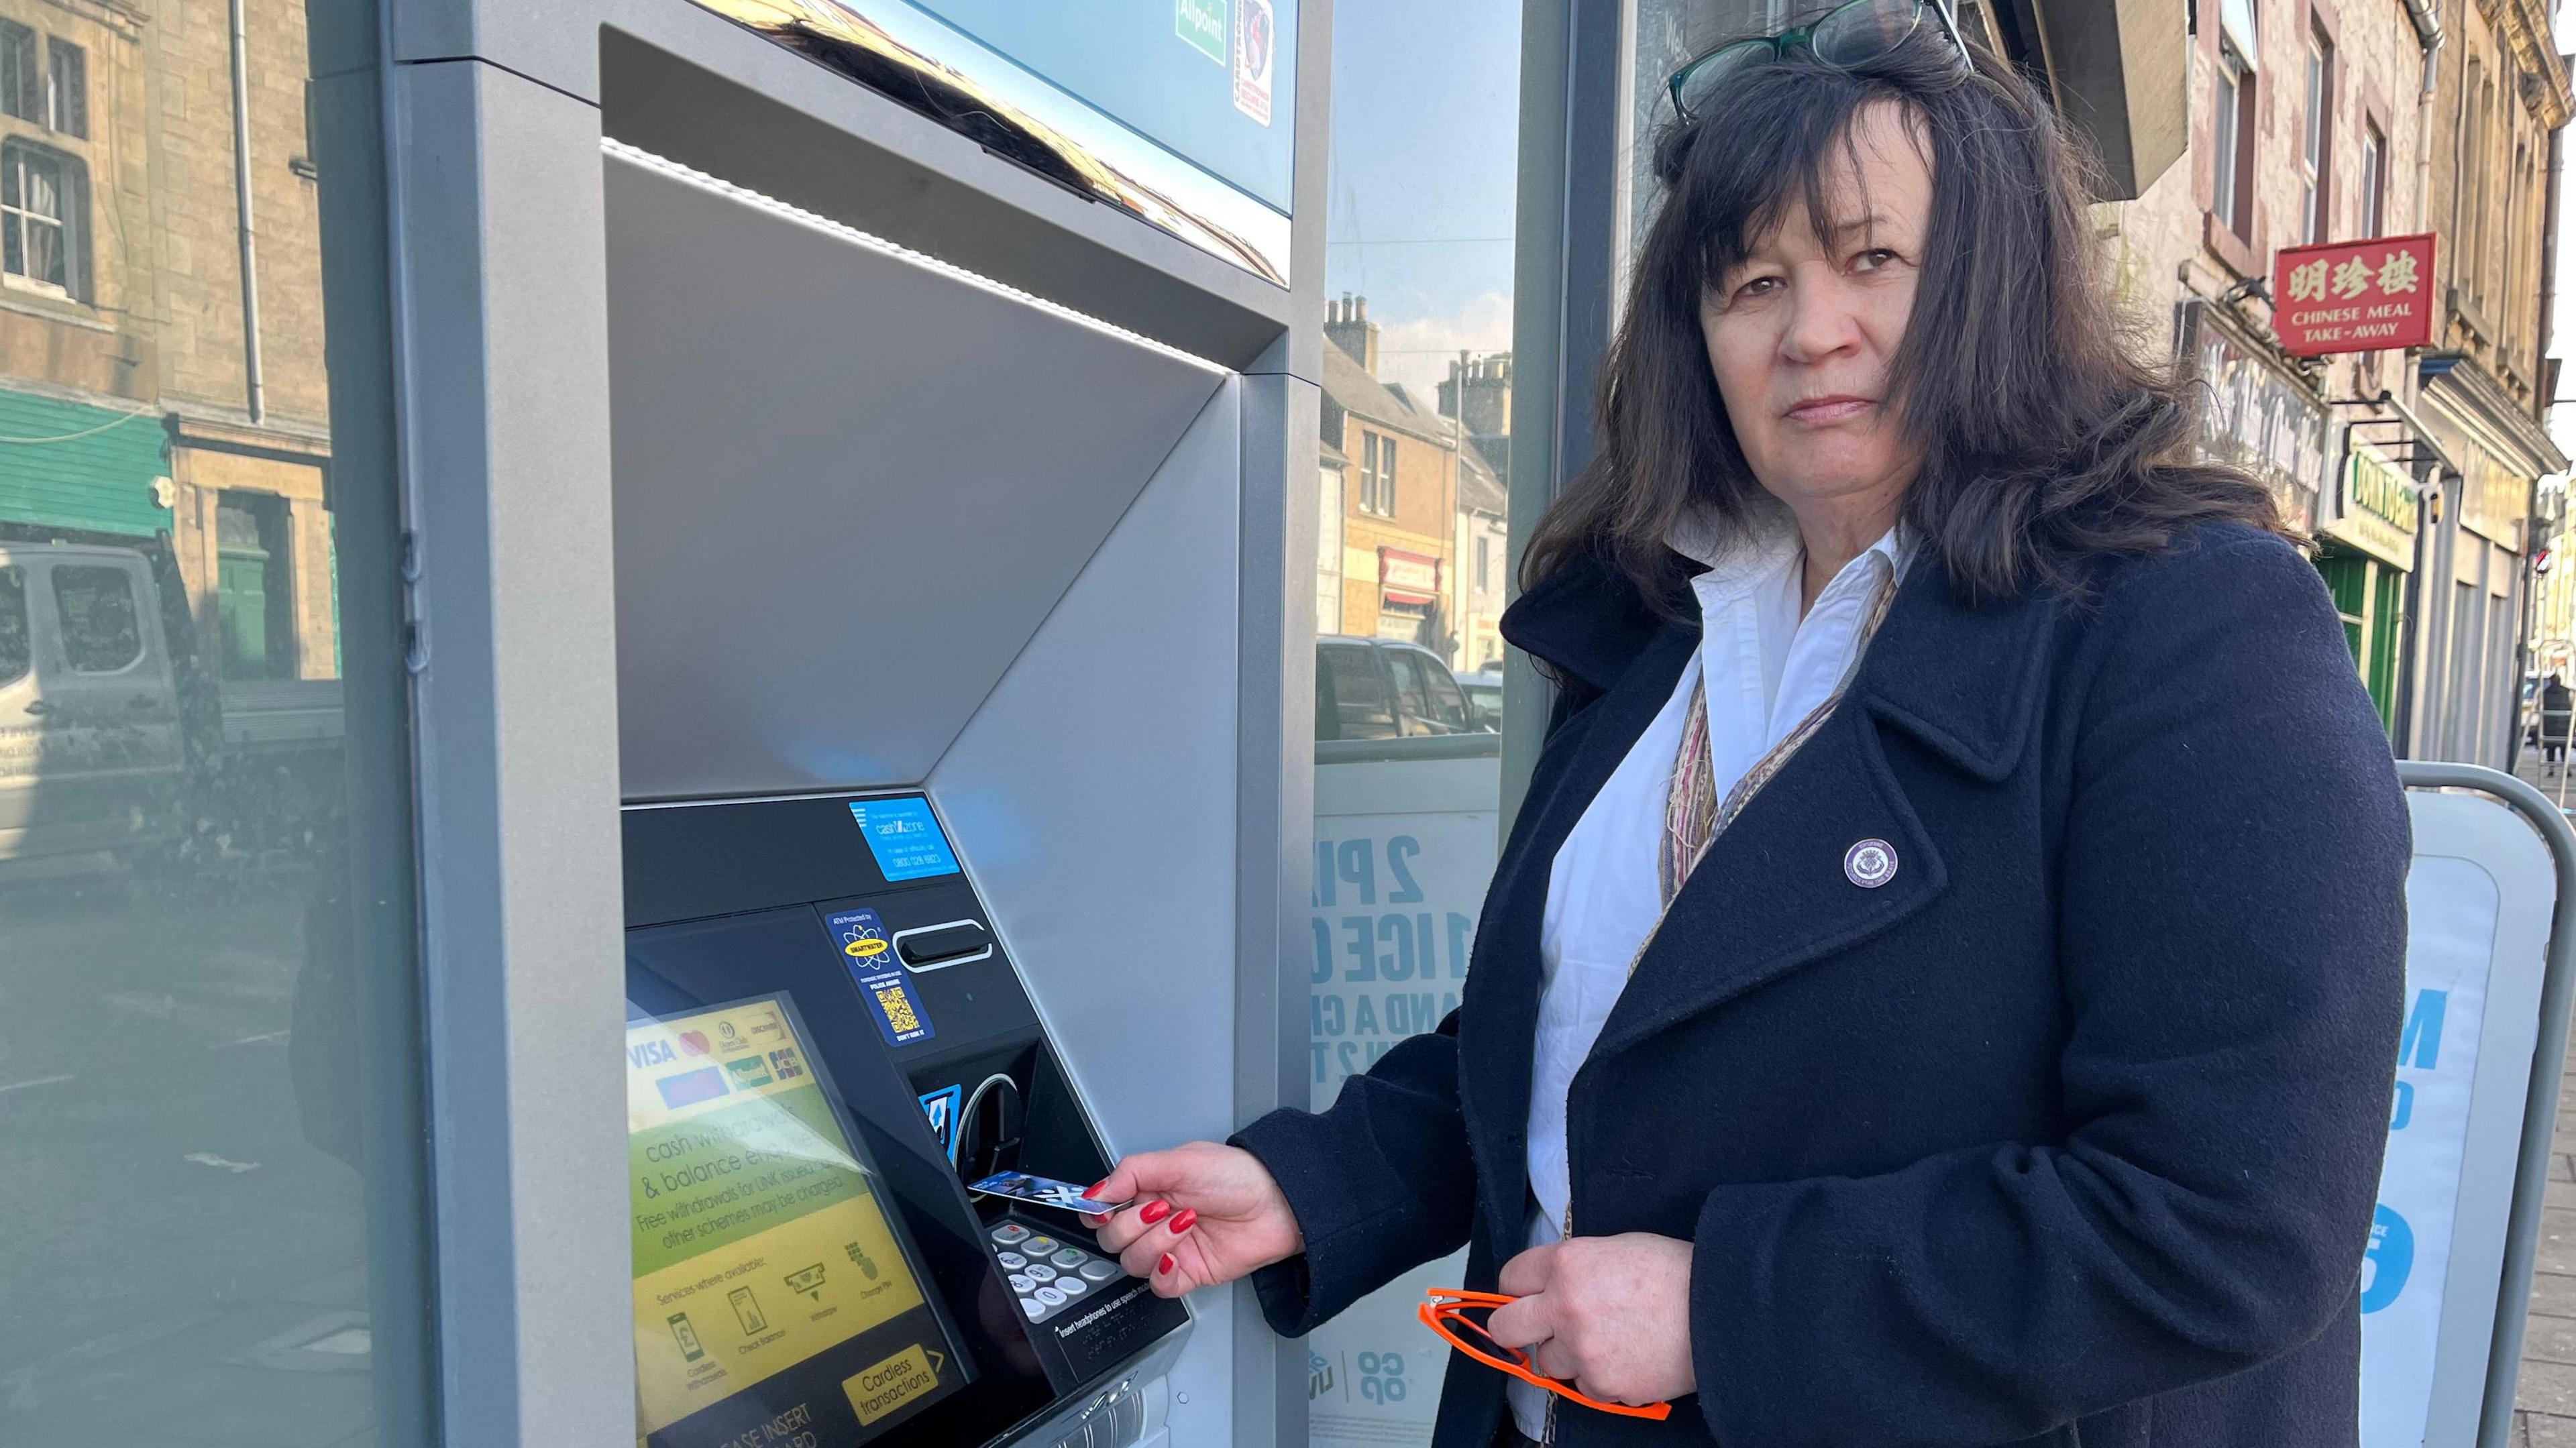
(2366, 548)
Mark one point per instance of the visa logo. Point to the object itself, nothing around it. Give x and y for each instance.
(650, 1053)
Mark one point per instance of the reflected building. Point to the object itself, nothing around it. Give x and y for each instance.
(1417, 499)
(161, 364)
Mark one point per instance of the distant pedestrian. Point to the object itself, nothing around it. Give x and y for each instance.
(2556, 704)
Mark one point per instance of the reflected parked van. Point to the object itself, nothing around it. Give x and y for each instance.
(92, 746)
(115, 734)
(1374, 689)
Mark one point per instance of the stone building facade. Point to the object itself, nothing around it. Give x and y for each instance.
(147, 396)
(2318, 121)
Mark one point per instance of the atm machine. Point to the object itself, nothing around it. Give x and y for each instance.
(826, 1040)
(959, 439)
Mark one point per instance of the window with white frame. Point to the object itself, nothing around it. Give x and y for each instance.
(41, 220)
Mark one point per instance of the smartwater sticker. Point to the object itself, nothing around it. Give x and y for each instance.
(869, 953)
(905, 838)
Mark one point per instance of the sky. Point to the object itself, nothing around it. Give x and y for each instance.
(1425, 150)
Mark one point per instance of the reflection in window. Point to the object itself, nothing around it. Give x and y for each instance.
(1351, 697)
(39, 226)
(67, 88)
(22, 82)
(2316, 141)
(2232, 151)
(101, 632)
(204, 874)
(254, 587)
(1412, 574)
(2374, 182)
(15, 655)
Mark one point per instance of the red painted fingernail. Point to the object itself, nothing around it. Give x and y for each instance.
(1164, 1267)
(1188, 1218)
(1094, 1193)
(1154, 1211)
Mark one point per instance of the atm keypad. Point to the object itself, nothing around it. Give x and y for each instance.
(1045, 1274)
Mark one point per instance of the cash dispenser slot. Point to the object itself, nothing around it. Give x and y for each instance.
(806, 1105)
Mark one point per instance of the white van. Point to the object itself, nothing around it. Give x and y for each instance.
(92, 744)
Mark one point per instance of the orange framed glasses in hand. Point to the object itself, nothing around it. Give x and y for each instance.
(1446, 1314)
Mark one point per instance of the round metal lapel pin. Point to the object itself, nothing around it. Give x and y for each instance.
(1870, 863)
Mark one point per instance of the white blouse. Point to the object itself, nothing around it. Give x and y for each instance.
(1767, 669)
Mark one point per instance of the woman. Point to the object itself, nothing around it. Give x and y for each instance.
(2557, 706)
(1943, 985)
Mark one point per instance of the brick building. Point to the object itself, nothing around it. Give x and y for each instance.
(1409, 500)
(146, 392)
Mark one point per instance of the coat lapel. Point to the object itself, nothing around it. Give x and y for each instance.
(1637, 670)
(1773, 894)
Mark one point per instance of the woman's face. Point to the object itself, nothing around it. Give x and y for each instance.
(1803, 332)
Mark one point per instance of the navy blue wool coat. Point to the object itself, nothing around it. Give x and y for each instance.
(2067, 1134)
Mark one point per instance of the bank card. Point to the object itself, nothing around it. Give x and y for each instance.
(1019, 1186)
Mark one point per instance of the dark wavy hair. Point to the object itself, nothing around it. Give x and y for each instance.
(2048, 440)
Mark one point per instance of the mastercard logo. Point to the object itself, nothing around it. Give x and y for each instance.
(864, 948)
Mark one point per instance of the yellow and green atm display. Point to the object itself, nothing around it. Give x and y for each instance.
(774, 1295)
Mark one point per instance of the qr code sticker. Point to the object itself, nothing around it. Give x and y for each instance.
(898, 1009)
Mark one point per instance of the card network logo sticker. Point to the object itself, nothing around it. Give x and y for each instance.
(694, 1042)
(784, 1061)
(691, 1087)
(749, 1072)
(941, 1107)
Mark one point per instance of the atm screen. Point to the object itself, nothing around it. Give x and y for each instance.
(775, 1286)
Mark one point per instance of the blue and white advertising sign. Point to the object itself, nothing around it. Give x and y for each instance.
(905, 838)
(1403, 852)
(2479, 899)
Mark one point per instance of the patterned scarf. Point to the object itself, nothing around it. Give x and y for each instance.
(1693, 814)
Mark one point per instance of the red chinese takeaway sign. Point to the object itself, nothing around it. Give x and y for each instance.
(2354, 296)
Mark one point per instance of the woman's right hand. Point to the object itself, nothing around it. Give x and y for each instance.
(1204, 1214)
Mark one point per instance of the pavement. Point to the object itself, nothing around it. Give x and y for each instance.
(187, 1269)
(2545, 1403)
(2558, 784)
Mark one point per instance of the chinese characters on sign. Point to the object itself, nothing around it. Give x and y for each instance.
(2358, 296)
